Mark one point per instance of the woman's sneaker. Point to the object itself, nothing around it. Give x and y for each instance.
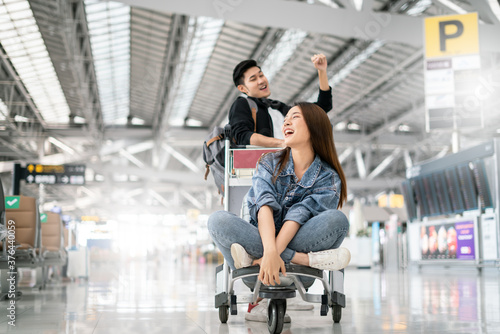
(258, 312)
(331, 259)
(240, 256)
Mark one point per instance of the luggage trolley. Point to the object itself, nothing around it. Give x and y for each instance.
(240, 163)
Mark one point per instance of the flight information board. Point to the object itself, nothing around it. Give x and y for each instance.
(430, 195)
(457, 203)
(483, 187)
(423, 206)
(449, 191)
(409, 199)
(467, 187)
(442, 193)
(55, 174)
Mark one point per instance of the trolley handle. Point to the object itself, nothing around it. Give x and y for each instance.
(227, 131)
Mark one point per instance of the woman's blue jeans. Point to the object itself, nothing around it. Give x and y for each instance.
(324, 231)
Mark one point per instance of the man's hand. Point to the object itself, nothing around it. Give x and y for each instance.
(319, 61)
(321, 64)
(260, 140)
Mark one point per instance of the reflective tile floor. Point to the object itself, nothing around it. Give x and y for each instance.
(155, 297)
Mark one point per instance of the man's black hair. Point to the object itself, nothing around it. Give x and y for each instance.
(240, 69)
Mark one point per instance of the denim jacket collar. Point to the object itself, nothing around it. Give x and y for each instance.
(309, 176)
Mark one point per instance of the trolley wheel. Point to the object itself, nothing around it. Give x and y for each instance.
(336, 313)
(276, 315)
(223, 313)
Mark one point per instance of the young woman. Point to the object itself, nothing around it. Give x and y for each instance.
(293, 204)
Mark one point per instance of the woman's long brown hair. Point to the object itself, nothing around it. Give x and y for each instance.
(322, 142)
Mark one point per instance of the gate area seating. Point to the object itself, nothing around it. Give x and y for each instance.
(52, 239)
(27, 232)
(23, 211)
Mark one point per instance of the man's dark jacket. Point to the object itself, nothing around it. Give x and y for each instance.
(242, 124)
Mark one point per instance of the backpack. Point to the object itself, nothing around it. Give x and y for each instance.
(214, 150)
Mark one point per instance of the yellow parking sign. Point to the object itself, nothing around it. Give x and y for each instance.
(451, 35)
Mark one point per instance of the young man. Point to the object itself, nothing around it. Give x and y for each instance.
(250, 80)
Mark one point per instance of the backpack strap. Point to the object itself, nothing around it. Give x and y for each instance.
(253, 108)
(207, 170)
(211, 140)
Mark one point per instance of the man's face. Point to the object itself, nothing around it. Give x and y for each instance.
(255, 83)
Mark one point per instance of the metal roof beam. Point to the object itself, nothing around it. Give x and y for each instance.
(360, 163)
(192, 199)
(181, 158)
(344, 22)
(11, 72)
(75, 70)
(378, 83)
(178, 32)
(384, 164)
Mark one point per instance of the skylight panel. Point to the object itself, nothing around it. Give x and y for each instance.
(352, 65)
(109, 29)
(24, 45)
(282, 52)
(3, 110)
(206, 31)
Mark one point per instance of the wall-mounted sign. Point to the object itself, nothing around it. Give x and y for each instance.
(444, 241)
(55, 174)
(452, 70)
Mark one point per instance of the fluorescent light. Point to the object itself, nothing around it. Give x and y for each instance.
(137, 121)
(193, 122)
(79, 120)
(120, 121)
(18, 118)
(61, 145)
(119, 178)
(340, 126)
(404, 128)
(353, 126)
(109, 29)
(24, 46)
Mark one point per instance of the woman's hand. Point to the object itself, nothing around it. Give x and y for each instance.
(270, 265)
(319, 61)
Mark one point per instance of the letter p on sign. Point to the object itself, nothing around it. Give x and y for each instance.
(451, 35)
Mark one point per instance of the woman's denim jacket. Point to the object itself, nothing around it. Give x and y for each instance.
(317, 191)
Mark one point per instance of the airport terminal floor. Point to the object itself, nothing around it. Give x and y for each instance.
(155, 296)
